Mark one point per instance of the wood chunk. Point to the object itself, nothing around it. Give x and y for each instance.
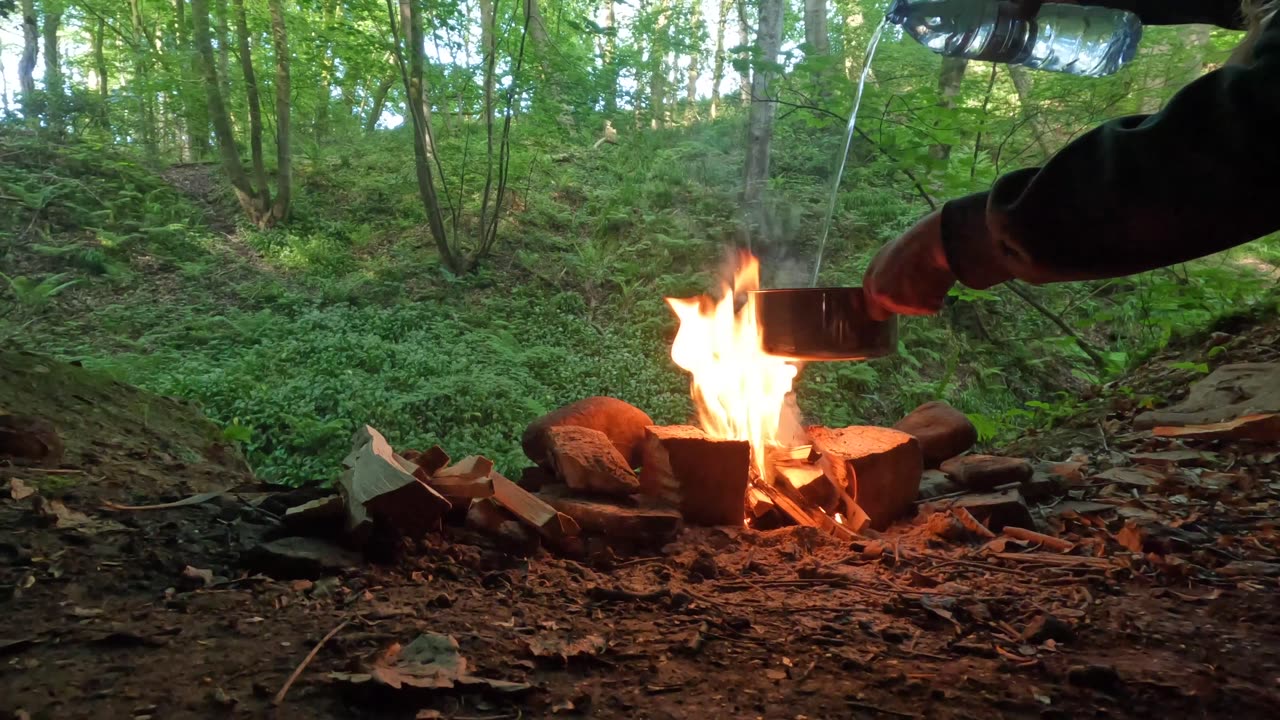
(1263, 428)
(1229, 392)
(758, 503)
(585, 459)
(881, 468)
(431, 461)
(943, 431)
(488, 517)
(624, 424)
(468, 479)
(791, 504)
(705, 479)
(985, 472)
(645, 523)
(320, 517)
(379, 487)
(994, 510)
(553, 526)
(413, 509)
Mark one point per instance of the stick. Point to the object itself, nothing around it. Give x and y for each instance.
(193, 500)
(1030, 299)
(876, 708)
(279, 698)
(1048, 541)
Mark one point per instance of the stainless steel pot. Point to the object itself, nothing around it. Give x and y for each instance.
(822, 324)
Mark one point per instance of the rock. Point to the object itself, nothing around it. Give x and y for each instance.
(943, 431)
(622, 422)
(299, 557)
(644, 523)
(879, 467)
(985, 472)
(703, 477)
(994, 510)
(1229, 392)
(585, 460)
(30, 438)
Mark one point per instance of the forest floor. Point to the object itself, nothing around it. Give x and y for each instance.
(1167, 607)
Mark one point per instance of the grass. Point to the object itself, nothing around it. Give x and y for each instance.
(292, 338)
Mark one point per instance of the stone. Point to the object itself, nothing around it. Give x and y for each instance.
(292, 558)
(622, 422)
(985, 472)
(1229, 392)
(585, 460)
(943, 431)
(880, 468)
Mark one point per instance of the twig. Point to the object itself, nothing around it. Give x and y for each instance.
(193, 500)
(1048, 541)
(279, 698)
(1054, 318)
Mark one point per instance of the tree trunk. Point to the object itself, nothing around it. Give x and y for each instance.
(255, 113)
(197, 113)
(220, 19)
(657, 68)
(27, 64)
(815, 27)
(284, 158)
(744, 39)
(54, 106)
(950, 79)
(691, 86)
(100, 72)
(609, 60)
(142, 54)
(760, 119)
(379, 102)
(328, 17)
(717, 69)
(1021, 77)
(853, 21)
(218, 114)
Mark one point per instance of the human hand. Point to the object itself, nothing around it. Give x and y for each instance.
(910, 275)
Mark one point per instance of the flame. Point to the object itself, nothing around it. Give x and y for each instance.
(738, 390)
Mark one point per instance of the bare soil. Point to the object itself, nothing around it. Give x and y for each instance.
(1167, 606)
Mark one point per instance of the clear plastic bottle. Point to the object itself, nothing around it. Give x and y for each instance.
(1076, 39)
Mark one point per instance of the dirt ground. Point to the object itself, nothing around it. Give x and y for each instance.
(1165, 607)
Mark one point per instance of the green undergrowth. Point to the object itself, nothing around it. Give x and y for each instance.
(291, 338)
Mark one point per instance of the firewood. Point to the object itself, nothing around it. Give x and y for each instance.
(790, 502)
(622, 422)
(986, 472)
(705, 479)
(317, 517)
(585, 459)
(1049, 541)
(645, 522)
(996, 510)
(553, 526)
(468, 479)
(758, 503)
(431, 461)
(379, 487)
(488, 517)
(943, 431)
(879, 467)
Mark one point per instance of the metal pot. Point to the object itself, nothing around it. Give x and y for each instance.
(817, 324)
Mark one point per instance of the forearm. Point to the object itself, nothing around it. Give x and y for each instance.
(1137, 193)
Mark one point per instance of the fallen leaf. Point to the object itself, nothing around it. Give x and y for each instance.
(19, 490)
(198, 575)
(64, 518)
(430, 662)
(1250, 568)
(774, 674)
(1142, 477)
(549, 646)
(1130, 537)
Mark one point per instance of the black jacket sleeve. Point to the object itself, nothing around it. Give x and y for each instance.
(1223, 13)
(1137, 193)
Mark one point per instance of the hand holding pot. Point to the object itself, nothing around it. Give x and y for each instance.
(910, 275)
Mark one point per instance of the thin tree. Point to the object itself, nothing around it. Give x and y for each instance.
(27, 63)
(760, 118)
(717, 68)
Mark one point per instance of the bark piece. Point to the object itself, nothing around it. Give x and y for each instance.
(321, 517)
(487, 516)
(985, 472)
(943, 431)
(1264, 428)
(881, 468)
(1229, 392)
(705, 479)
(622, 422)
(380, 485)
(468, 479)
(645, 522)
(299, 557)
(30, 438)
(553, 526)
(994, 510)
(586, 460)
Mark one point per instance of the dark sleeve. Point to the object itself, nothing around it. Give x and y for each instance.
(1223, 13)
(1137, 193)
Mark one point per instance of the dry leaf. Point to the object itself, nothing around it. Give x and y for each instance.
(19, 490)
(430, 662)
(547, 646)
(1130, 537)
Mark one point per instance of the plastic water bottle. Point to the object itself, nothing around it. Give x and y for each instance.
(1076, 39)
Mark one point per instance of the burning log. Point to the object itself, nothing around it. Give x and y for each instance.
(586, 460)
(380, 486)
(792, 504)
(880, 467)
(622, 422)
(943, 431)
(705, 479)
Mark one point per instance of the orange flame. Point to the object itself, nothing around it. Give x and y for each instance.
(739, 391)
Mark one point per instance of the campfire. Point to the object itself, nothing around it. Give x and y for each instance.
(604, 474)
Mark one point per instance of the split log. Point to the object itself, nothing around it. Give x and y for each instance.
(943, 431)
(380, 486)
(321, 517)
(791, 504)
(585, 459)
(468, 479)
(994, 510)
(643, 523)
(553, 526)
(622, 422)
(705, 479)
(880, 467)
(985, 472)
(429, 462)
(486, 516)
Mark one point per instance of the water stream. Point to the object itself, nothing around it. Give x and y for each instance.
(844, 156)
